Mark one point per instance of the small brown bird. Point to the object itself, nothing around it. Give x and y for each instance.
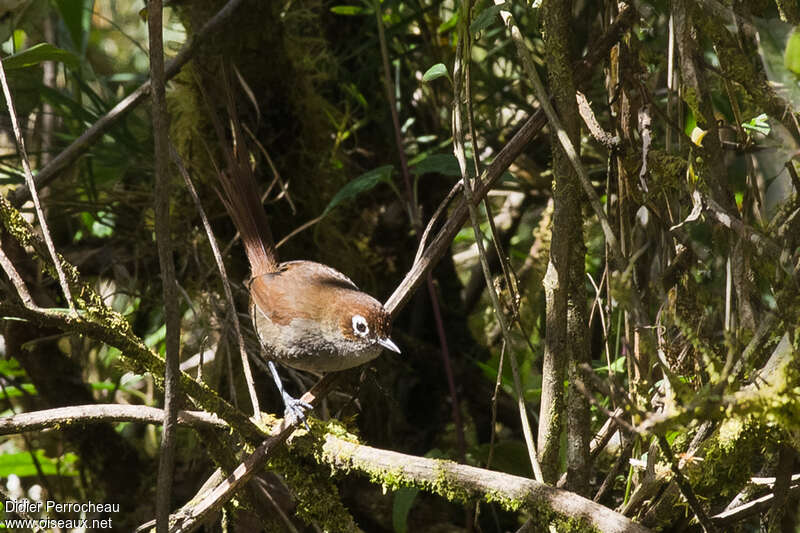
(307, 315)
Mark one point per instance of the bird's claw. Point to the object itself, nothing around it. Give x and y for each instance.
(296, 410)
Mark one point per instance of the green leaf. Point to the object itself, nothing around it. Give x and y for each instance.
(672, 435)
(791, 57)
(617, 366)
(102, 385)
(156, 337)
(22, 465)
(486, 17)
(436, 71)
(10, 367)
(363, 183)
(13, 391)
(690, 123)
(403, 501)
(445, 164)
(449, 24)
(348, 10)
(759, 124)
(77, 17)
(38, 53)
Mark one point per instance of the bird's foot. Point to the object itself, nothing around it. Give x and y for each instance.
(295, 410)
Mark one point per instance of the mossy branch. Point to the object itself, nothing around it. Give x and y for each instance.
(461, 483)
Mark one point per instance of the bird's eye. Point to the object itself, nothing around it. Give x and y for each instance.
(360, 326)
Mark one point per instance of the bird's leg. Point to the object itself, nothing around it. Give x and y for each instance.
(294, 407)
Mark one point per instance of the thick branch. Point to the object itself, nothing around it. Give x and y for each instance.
(461, 481)
(100, 413)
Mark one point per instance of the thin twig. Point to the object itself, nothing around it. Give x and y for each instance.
(456, 189)
(737, 514)
(762, 243)
(162, 199)
(416, 222)
(212, 241)
(19, 284)
(495, 396)
(685, 486)
(458, 149)
(278, 179)
(31, 187)
(298, 229)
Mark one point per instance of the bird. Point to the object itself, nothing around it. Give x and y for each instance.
(306, 315)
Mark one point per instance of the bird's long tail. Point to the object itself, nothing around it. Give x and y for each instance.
(243, 203)
(241, 197)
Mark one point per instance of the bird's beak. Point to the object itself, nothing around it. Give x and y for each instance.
(388, 344)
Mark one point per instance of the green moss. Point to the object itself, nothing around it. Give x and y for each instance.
(668, 171)
(445, 486)
(542, 516)
(317, 497)
(690, 97)
(508, 504)
(729, 432)
(727, 459)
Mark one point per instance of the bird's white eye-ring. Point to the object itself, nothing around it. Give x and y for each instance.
(360, 327)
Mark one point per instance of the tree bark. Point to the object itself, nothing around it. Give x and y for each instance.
(566, 344)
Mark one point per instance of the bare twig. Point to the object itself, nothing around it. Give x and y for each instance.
(498, 381)
(740, 512)
(212, 241)
(416, 222)
(277, 179)
(166, 265)
(685, 486)
(13, 275)
(462, 55)
(748, 233)
(31, 187)
(456, 189)
(298, 229)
